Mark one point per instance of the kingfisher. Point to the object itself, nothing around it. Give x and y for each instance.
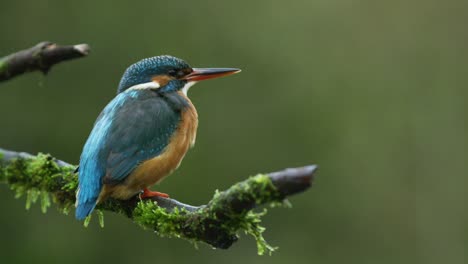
(143, 134)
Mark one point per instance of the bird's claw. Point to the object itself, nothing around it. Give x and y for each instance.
(149, 194)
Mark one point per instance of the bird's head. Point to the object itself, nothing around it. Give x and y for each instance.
(167, 74)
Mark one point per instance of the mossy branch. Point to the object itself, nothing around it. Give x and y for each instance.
(39, 58)
(216, 223)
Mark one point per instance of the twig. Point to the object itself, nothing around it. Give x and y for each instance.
(216, 223)
(39, 58)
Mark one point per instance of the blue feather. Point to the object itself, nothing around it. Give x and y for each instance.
(144, 70)
(84, 209)
(92, 161)
(135, 126)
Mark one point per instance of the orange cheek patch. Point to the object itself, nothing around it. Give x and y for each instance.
(161, 79)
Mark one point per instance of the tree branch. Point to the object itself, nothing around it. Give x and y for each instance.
(216, 223)
(39, 58)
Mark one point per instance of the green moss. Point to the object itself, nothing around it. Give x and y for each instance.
(39, 177)
(87, 221)
(166, 224)
(3, 65)
(45, 201)
(100, 217)
(229, 212)
(254, 191)
(31, 197)
(252, 227)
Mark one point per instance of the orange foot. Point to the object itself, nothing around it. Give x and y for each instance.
(148, 194)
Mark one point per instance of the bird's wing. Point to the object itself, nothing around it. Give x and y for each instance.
(128, 131)
(141, 130)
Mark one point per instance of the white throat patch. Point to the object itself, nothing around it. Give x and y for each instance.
(187, 87)
(155, 85)
(148, 85)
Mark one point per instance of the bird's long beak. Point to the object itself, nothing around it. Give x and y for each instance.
(199, 74)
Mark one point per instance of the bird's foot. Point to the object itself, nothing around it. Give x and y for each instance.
(149, 194)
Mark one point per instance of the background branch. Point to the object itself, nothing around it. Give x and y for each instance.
(216, 223)
(39, 58)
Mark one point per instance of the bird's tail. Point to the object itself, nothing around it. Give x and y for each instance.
(84, 208)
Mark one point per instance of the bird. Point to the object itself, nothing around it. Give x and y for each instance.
(143, 134)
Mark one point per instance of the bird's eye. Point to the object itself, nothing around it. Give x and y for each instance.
(177, 73)
(180, 74)
(172, 73)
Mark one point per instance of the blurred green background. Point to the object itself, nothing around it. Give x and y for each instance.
(373, 91)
